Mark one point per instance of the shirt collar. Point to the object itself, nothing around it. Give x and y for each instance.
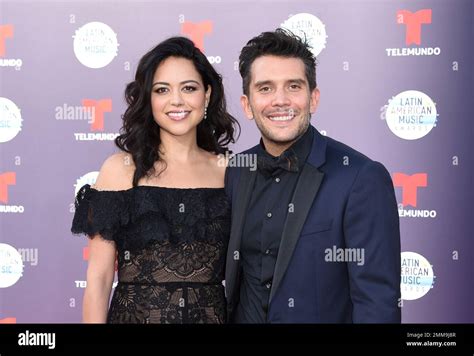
(301, 147)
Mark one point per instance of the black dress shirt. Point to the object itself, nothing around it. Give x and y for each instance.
(269, 205)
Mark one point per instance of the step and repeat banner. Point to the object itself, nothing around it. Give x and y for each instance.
(396, 83)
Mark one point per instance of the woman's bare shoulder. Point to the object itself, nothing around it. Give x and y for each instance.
(218, 164)
(116, 172)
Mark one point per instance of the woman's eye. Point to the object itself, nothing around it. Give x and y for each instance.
(161, 90)
(189, 88)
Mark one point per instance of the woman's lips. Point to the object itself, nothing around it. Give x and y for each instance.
(178, 115)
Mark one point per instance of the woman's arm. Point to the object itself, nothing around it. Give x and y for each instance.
(100, 277)
(116, 174)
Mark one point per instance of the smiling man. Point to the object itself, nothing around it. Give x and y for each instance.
(312, 204)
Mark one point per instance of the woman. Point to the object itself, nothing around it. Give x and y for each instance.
(159, 206)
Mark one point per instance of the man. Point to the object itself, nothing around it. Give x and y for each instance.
(315, 232)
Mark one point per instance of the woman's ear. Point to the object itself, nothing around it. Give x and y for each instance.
(208, 95)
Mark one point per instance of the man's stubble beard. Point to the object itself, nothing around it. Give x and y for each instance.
(302, 127)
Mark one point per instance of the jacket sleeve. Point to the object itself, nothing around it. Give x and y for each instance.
(371, 224)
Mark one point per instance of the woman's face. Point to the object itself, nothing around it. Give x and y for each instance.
(178, 96)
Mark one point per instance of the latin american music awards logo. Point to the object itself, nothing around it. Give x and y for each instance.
(309, 28)
(10, 120)
(95, 44)
(417, 277)
(411, 115)
(11, 266)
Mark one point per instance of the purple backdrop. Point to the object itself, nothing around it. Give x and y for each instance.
(374, 51)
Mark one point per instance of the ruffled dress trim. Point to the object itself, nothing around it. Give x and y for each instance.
(135, 217)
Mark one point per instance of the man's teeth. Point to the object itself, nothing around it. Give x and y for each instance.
(281, 118)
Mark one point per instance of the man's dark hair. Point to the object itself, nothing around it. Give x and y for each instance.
(281, 43)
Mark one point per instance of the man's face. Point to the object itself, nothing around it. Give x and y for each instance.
(279, 98)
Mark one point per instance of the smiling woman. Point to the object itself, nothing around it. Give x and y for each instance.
(172, 80)
(179, 94)
(159, 207)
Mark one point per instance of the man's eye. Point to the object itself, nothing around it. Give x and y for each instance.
(295, 86)
(264, 89)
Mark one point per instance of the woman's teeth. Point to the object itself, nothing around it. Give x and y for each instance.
(178, 115)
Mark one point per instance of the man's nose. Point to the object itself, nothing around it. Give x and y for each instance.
(280, 98)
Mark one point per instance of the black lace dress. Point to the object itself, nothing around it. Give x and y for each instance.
(171, 246)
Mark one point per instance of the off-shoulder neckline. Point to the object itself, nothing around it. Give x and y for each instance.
(156, 187)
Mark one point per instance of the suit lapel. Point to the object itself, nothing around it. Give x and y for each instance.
(305, 192)
(239, 211)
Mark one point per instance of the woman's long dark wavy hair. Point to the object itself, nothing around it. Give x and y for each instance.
(140, 134)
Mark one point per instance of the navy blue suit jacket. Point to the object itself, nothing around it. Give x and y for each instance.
(344, 207)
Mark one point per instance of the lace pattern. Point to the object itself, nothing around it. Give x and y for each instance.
(171, 247)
